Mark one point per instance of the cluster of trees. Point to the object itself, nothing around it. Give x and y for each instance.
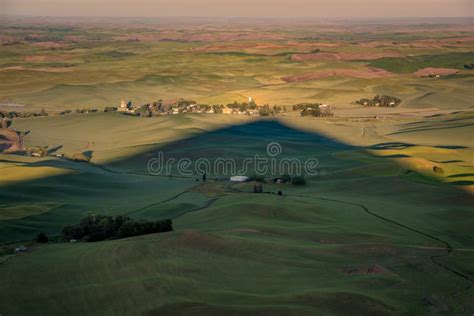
(100, 227)
(286, 178)
(5, 123)
(381, 101)
(313, 109)
(243, 106)
(258, 188)
(43, 151)
(110, 109)
(13, 114)
(469, 66)
(159, 108)
(267, 110)
(43, 38)
(185, 103)
(40, 151)
(42, 238)
(190, 106)
(298, 180)
(257, 178)
(82, 111)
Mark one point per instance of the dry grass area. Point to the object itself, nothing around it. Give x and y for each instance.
(342, 56)
(39, 69)
(367, 73)
(10, 140)
(425, 72)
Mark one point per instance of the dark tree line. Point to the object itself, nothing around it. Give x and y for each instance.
(381, 101)
(313, 109)
(268, 110)
(100, 227)
(14, 114)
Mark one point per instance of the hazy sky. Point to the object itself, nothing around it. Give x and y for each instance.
(241, 8)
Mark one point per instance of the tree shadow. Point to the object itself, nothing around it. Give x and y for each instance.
(54, 149)
(400, 145)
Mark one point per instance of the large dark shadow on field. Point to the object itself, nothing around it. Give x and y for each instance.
(265, 138)
(90, 185)
(345, 182)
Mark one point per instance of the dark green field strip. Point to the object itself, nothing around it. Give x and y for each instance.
(448, 247)
(412, 64)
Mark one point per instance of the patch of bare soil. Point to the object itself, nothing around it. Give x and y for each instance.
(371, 269)
(368, 73)
(439, 43)
(138, 38)
(7, 39)
(376, 44)
(47, 57)
(48, 45)
(239, 47)
(372, 249)
(345, 56)
(10, 140)
(461, 41)
(40, 69)
(232, 37)
(290, 45)
(314, 45)
(75, 38)
(426, 72)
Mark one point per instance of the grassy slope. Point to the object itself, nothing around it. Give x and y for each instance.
(101, 74)
(245, 253)
(412, 64)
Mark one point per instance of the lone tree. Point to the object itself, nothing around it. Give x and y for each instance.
(258, 188)
(298, 180)
(42, 238)
(5, 123)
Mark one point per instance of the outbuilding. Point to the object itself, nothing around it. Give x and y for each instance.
(239, 178)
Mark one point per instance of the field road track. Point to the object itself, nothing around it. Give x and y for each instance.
(206, 205)
(448, 248)
(156, 203)
(104, 168)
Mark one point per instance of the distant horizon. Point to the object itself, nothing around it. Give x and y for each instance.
(278, 9)
(242, 17)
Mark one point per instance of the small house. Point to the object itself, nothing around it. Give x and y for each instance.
(239, 179)
(227, 110)
(21, 249)
(123, 107)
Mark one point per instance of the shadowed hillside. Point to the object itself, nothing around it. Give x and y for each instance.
(365, 236)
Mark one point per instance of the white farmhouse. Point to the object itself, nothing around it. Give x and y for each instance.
(239, 178)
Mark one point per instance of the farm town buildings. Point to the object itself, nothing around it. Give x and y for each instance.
(125, 107)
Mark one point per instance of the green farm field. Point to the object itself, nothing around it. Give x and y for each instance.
(232, 250)
(74, 66)
(383, 227)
